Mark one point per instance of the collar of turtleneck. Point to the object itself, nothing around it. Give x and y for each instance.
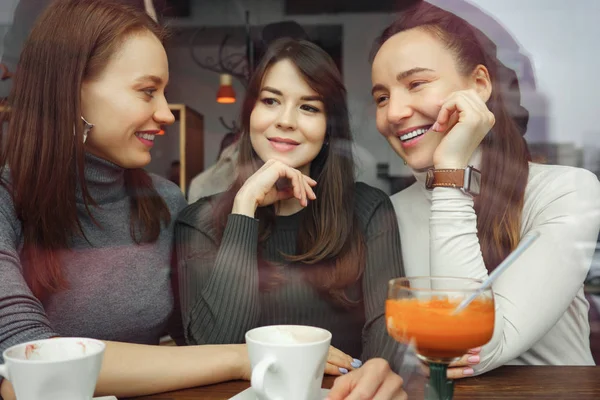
(105, 180)
(421, 175)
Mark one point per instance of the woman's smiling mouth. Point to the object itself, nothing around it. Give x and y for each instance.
(283, 145)
(412, 136)
(147, 137)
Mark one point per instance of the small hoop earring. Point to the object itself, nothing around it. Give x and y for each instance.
(87, 127)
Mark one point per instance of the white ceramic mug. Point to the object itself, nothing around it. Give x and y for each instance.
(54, 369)
(288, 361)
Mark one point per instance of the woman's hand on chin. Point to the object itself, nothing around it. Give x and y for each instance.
(262, 188)
(465, 120)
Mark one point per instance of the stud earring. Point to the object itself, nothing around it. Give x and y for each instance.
(87, 127)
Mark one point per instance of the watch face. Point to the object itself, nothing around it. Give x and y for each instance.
(474, 182)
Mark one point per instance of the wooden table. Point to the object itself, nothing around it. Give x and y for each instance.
(515, 383)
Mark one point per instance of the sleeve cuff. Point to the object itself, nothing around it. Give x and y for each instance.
(239, 239)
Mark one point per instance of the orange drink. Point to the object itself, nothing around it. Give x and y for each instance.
(421, 310)
(436, 332)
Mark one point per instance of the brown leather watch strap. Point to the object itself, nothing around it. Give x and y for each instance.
(445, 178)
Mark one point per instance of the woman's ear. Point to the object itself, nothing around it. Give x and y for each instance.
(482, 82)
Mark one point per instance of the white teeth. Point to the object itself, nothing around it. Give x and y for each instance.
(413, 134)
(146, 136)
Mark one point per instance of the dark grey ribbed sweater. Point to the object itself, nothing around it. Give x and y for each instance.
(220, 298)
(118, 290)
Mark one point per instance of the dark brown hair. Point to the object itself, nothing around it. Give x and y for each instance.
(71, 42)
(505, 155)
(330, 238)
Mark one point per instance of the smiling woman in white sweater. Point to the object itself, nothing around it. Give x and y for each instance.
(439, 87)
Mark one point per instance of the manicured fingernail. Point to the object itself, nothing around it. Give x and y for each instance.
(343, 371)
(475, 350)
(468, 371)
(473, 359)
(356, 363)
(435, 127)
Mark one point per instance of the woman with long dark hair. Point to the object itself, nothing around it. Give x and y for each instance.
(85, 233)
(295, 240)
(451, 110)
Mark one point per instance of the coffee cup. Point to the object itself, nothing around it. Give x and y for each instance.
(54, 369)
(288, 361)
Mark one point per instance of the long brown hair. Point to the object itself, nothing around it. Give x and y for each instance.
(71, 42)
(336, 260)
(505, 155)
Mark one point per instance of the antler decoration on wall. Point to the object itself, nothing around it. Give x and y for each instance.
(233, 128)
(238, 65)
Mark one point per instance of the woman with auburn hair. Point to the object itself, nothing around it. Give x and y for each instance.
(442, 105)
(85, 233)
(294, 240)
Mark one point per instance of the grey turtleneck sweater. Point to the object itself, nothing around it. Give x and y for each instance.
(118, 290)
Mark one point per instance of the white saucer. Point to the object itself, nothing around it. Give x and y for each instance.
(248, 394)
